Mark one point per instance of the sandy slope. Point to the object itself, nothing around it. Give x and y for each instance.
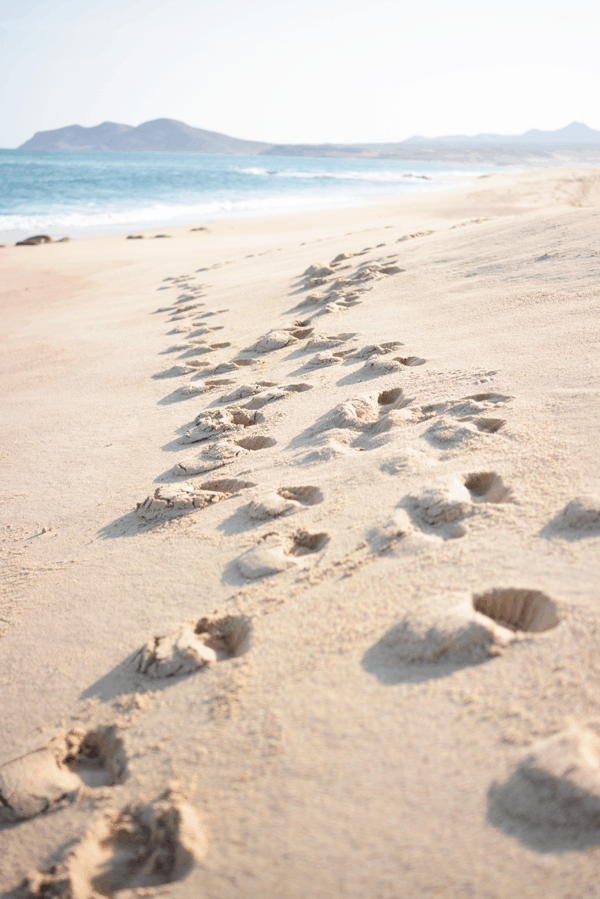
(335, 727)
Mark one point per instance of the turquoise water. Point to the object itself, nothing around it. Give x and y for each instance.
(74, 193)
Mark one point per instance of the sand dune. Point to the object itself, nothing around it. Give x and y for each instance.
(301, 553)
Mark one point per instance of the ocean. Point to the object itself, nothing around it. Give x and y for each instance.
(69, 194)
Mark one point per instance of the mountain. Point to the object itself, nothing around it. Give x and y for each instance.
(167, 135)
(576, 133)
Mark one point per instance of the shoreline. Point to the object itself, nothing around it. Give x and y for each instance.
(235, 189)
(373, 447)
(11, 236)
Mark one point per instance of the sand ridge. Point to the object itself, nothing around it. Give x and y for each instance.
(341, 568)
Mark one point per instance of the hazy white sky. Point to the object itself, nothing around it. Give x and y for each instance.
(312, 71)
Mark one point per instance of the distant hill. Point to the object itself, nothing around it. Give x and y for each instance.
(169, 135)
(576, 133)
(166, 135)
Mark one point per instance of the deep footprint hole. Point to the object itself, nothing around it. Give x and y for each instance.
(387, 397)
(304, 543)
(308, 495)
(302, 333)
(490, 424)
(410, 360)
(298, 388)
(228, 636)
(487, 486)
(255, 443)
(98, 757)
(519, 610)
(229, 486)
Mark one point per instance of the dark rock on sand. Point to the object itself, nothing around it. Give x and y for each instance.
(33, 241)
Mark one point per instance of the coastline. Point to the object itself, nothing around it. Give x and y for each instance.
(82, 194)
(322, 760)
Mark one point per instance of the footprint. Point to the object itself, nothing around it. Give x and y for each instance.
(276, 340)
(519, 610)
(367, 412)
(487, 487)
(301, 333)
(412, 236)
(195, 645)
(467, 408)
(221, 453)
(215, 422)
(307, 495)
(179, 347)
(176, 371)
(490, 398)
(34, 783)
(221, 369)
(389, 397)
(143, 845)
(196, 389)
(442, 506)
(376, 349)
(410, 361)
(276, 552)
(97, 756)
(199, 332)
(234, 365)
(324, 342)
(555, 786)
(318, 270)
(391, 269)
(284, 501)
(246, 390)
(436, 633)
(491, 425)
(172, 500)
(447, 433)
(256, 442)
(461, 419)
(227, 486)
(272, 505)
(356, 413)
(331, 445)
(264, 399)
(191, 351)
(313, 299)
(581, 514)
(241, 363)
(321, 360)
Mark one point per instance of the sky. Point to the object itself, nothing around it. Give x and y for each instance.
(316, 71)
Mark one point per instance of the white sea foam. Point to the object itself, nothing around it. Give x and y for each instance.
(163, 213)
(392, 177)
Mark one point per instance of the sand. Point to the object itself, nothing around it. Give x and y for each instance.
(300, 544)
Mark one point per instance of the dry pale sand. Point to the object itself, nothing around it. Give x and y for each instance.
(347, 645)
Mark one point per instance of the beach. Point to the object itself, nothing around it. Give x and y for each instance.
(300, 553)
